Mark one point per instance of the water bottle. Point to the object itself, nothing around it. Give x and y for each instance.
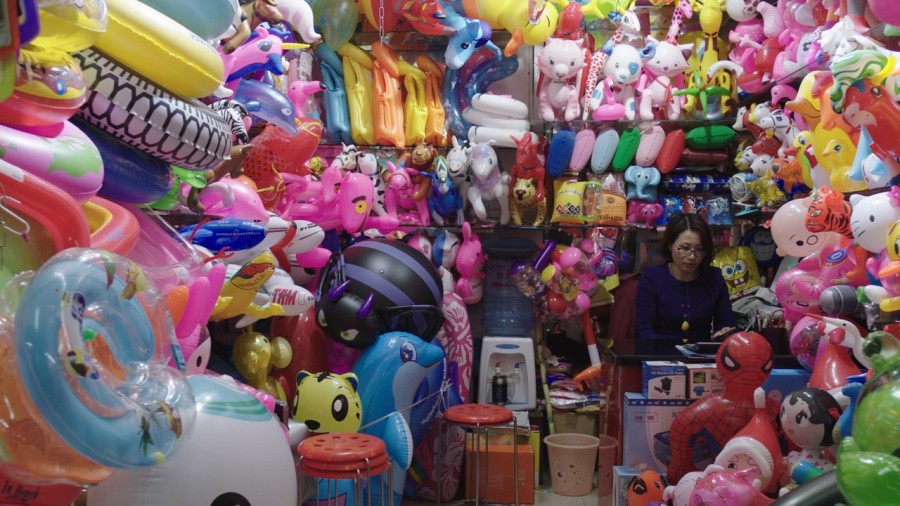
(499, 388)
(506, 312)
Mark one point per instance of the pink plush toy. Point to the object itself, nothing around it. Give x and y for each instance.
(470, 265)
(660, 79)
(560, 62)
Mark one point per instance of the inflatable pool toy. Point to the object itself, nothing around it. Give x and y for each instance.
(208, 19)
(68, 160)
(71, 26)
(163, 254)
(49, 89)
(39, 220)
(31, 450)
(159, 49)
(129, 174)
(513, 16)
(267, 103)
(149, 118)
(113, 228)
(93, 340)
(299, 15)
(239, 291)
(359, 83)
(254, 466)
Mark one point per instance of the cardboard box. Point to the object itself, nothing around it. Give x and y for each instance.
(572, 421)
(663, 379)
(622, 476)
(703, 379)
(497, 470)
(784, 381)
(645, 439)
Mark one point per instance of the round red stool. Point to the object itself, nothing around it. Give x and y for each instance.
(479, 418)
(345, 456)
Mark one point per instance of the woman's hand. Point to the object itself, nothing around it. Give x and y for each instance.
(723, 333)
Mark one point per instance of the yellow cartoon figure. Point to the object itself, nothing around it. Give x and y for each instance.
(237, 296)
(327, 402)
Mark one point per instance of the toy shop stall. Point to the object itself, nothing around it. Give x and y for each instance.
(275, 252)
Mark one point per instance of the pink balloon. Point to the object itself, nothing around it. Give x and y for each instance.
(806, 342)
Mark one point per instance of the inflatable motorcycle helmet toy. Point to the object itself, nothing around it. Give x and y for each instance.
(376, 286)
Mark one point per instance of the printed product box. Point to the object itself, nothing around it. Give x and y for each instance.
(663, 379)
(622, 476)
(497, 479)
(703, 379)
(645, 439)
(784, 381)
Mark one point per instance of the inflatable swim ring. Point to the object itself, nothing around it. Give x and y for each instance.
(49, 89)
(129, 175)
(93, 339)
(150, 119)
(113, 228)
(48, 214)
(209, 19)
(52, 460)
(71, 26)
(161, 50)
(68, 160)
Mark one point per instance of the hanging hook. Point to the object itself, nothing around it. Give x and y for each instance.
(25, 226)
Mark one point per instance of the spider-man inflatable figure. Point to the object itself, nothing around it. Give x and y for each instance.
(744, 361)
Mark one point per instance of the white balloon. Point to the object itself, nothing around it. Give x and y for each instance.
(237, 453)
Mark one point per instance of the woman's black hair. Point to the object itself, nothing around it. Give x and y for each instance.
(680, 222)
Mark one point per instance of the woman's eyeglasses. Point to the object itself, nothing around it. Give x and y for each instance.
(686, 251)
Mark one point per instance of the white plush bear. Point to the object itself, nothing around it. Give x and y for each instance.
(560, 61)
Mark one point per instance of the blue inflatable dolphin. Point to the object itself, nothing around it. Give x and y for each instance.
(390, 372)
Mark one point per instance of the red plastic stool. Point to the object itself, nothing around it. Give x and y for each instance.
(346, 456)
(479, 418)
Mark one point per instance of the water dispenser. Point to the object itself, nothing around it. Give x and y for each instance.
(514, 356)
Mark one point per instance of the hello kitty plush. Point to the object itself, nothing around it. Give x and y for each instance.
(658, 81)
(560, 61)
(613, 98)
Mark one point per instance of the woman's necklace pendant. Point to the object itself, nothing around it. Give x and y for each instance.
(685, 326)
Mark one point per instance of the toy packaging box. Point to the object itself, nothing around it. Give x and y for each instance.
(497, 469)
(622, 476)
(645, 441)
(784, 381)
(703, 379)
(663, 379)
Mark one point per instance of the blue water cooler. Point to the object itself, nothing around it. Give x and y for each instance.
(505, 311)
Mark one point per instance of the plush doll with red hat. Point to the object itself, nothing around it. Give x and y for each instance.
(756, 445)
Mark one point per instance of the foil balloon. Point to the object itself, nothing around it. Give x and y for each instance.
(790, 234)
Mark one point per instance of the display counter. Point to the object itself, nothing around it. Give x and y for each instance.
(625, 376)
